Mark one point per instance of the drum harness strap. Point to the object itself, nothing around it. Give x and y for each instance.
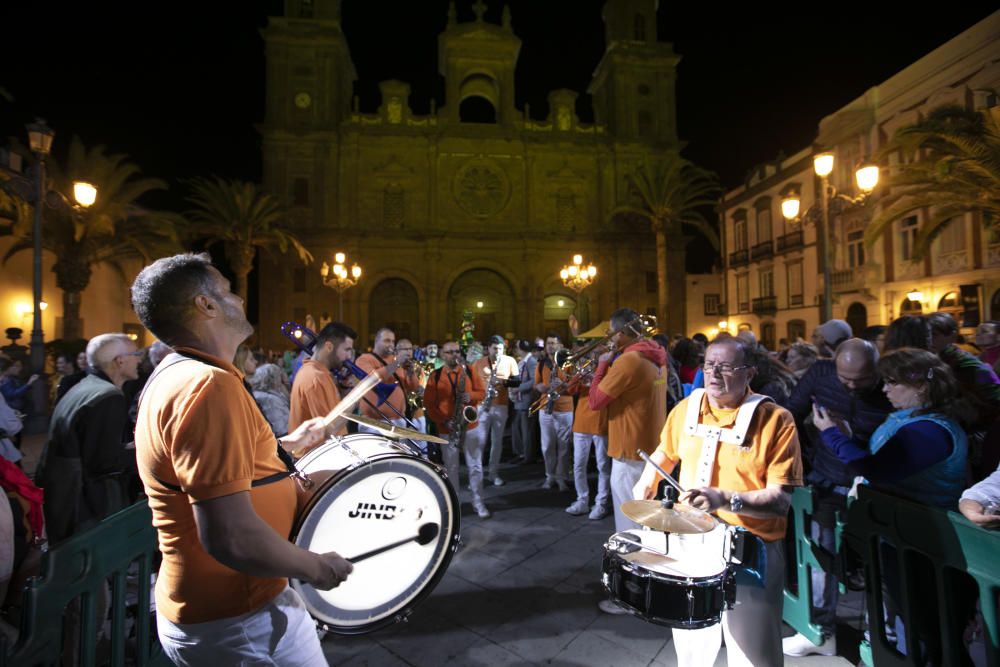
(286, 458)
(748, 549)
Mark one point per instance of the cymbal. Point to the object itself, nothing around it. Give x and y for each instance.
(393, 431)
(679, 519)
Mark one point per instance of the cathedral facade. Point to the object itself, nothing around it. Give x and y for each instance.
(474, 206)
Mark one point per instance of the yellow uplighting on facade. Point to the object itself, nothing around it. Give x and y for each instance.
(915, 295)
(723, 324)
(22, 308)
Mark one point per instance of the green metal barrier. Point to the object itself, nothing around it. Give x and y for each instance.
(952, 546)
(796, 609)
(78, 568)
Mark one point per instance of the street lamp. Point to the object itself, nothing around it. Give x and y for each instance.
(576, 276)
(866, 178)
(340, 279)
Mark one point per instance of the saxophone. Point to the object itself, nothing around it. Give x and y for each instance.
(491, 390)
(463, 414)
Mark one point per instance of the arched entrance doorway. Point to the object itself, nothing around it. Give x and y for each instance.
(767, 335)
(857, 317)
(490, 299)
(558, 308)
(394, 303)
(995, 306)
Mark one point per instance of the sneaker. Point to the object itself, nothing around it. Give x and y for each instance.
(498, 482)
(599, 512)
(577, 508)
(797, 645)
(548, 483)
(481, 510)
(611, 607)
(563, 486)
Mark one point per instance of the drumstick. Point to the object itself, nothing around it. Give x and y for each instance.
(425, 535)
(349, 401)
(663, 472)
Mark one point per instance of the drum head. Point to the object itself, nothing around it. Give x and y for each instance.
(375, 505)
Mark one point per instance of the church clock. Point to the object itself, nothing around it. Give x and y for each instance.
(303, 100)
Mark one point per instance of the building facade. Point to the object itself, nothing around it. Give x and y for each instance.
(474, 206)
(774, 270)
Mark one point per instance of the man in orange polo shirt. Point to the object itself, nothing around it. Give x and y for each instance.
(493, 418)
(314, 391)
(590, 428)
(383, 361)
(414, 378)
(444, 389)
(556, 418)
(222, 501)
(740, 457)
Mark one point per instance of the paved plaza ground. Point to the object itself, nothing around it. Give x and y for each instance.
(523, 589)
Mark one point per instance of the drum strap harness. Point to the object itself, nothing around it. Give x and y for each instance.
(751, 553)
(286, 458)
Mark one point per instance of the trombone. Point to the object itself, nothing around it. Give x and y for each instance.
(581, 364)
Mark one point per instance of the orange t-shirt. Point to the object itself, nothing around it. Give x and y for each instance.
(543, 375)
(506, 367)
(370, 364)
(439, 395)
(198, 428)
(586, 420)
(314, 394)
(772, 457)
(639, 408)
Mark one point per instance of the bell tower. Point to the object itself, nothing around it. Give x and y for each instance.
(477, 60)
(634, 84)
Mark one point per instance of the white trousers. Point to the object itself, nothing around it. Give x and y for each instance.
(752, 627)
(625, 473)
(581, 456)
(472, 446)
(492, 423)
(557, 430)
(279, 633)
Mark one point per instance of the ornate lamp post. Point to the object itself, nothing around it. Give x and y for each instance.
(866, 177)
(340, 279)
(35, 192)
(576, 276)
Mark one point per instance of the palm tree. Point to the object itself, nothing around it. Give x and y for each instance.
(951, 167)
(670, 194)
(111, 231)
(244, 219)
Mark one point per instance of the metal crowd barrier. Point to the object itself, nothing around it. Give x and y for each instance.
(79, 569)
(934, 552)
(925, 538)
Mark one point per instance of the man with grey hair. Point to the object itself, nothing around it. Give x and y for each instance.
(85, 464)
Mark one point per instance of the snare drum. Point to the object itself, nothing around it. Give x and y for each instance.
(687, 589)
(368, 493)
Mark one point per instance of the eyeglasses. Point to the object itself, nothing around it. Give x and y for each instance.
(137, 353)
(450, 351)
(724, 368)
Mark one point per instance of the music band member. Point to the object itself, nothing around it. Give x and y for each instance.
(450, 388)
(211, 468)
(493, 417)
(630, 382)
(739, 455)
(431, 354)
(382, 360)
(314, 389)
(590, 428)
(556, 418)
(414, 379)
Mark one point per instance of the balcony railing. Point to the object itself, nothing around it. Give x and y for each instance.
(790, 241)
(848, 280)
(765, 305)
(739, 258)
(762, 251)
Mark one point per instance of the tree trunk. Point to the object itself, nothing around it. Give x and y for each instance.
(241, 261)
(677, 286)
(72, 324)
(663, 322)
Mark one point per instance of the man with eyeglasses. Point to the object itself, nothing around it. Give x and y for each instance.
(85, 462)
(739, 455)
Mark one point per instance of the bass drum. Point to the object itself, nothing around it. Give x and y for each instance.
(370, 493)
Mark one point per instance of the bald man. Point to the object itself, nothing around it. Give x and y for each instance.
(850, 388)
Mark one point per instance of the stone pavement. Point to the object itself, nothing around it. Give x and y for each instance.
(523, 589)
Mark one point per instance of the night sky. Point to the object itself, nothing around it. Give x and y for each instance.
(178, 86)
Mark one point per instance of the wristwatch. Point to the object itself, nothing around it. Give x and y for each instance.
(735, 503)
